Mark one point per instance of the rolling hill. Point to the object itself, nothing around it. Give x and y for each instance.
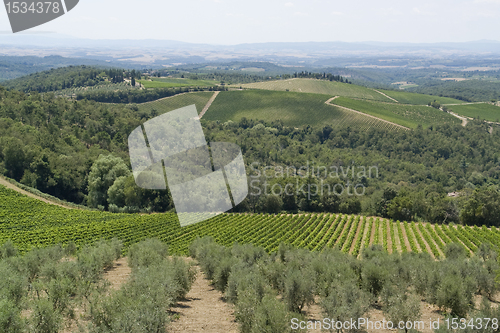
(319, 87)
(293, 109)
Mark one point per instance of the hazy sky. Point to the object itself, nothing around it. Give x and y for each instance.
(236, 21)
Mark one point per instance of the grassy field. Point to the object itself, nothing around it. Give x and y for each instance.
(294, 109)
(406, 115)
(484, 111)
(44, 225)
(200, 99)
(173, 82)
(319, 87)
(404, 97)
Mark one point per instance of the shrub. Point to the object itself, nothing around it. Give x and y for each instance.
(243, 279)
(374, 276)
(453, 296)
(299, 290)
(454, 251)
(271, 317)
(403, 306)
(44, 318)
(8, 250)
(10, 317)
(13, 285)
(345, 300)
(146, 253)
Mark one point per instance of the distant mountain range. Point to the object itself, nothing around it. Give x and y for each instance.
(149, 51)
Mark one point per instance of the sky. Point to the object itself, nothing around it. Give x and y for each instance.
(228, 22)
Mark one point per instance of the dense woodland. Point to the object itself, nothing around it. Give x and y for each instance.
(70, 77)
(470, 90)
(138, 96)
(53, 144)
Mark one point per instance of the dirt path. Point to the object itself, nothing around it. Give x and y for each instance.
(359, 233)
(397, 238)
(11, 186)
(203, 310)
(119, 274)
(210, 101)
(389, 97)
(465, 120)
(389, 237)
(465, 103)
(329, 102)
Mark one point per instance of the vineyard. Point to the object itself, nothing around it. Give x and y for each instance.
(407, 115)
(483, 111)
(200, 99)
(42, 225)
(319, 87)
(405, 97)
(294, 109)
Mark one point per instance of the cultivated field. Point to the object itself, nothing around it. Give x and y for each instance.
(44, 225)
(483, 111)
(200, 99)
(173, 82)
(319, 87)
(407, 115)
(418, 99)
(294, 109)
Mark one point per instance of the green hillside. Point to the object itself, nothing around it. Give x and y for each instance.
(406, 115)
(294, 109)
(313, 86)
(174, 82)
(484, 111)
(404, 97)
(44, 225)
(200, 99)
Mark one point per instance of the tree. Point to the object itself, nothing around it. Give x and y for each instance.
(14, 158)
(404, 307)
(483, 208)
(103, 173)
(345, 300)
(273, 204)
(400, 208)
